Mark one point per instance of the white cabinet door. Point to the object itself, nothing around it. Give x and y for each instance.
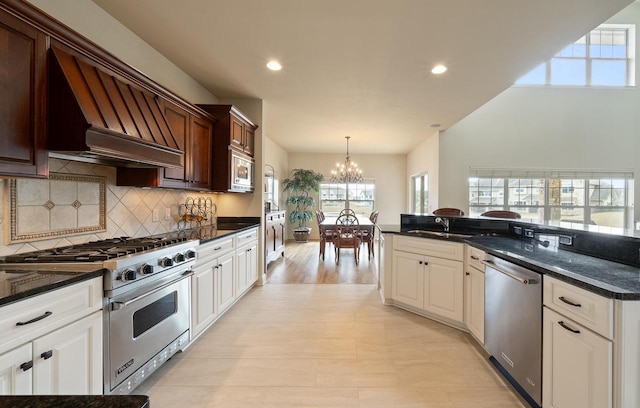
(252, 264)
(16, 371)
(444, 288)
(225, 281)
(242, 261)
(68, 361)
(408, 278)
(474, 302)
(577, 365)
(246, 267)
(203, 305)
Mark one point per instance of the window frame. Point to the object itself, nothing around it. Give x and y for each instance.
(333, 210)
(548, 207)
(423, 203)
(589, 59)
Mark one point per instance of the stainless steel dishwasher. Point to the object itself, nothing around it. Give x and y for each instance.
(513, 325)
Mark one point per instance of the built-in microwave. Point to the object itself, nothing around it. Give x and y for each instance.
(241, 172)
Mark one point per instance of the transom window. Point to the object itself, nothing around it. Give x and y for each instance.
(604, 57)
(361, 197)
(605, 200)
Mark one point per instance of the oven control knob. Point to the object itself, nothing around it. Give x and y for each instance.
(178, 258)
(128, 275)
(146, 269)
(190, 254)
(166, 262)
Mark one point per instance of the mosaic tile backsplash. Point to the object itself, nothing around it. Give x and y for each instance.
(128, 211)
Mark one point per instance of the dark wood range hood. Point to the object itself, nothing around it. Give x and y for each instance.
(98, 116)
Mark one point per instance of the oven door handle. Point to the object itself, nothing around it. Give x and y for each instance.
(117, 305)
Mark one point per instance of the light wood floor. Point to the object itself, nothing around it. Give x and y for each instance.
(333, 346)
(302, 264)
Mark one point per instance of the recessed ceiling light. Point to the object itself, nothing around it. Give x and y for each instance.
(439, 69)
(435, 125)
(274, 65)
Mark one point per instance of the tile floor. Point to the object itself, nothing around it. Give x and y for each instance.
(327, 346)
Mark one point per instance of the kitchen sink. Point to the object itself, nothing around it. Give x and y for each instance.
(438, 234)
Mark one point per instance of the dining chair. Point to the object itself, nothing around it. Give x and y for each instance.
(501, 214)
(368, 234)
(326, 234)
(347, 211)
(347, 234)
(448, 211)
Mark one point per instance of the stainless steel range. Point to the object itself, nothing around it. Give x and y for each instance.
(146, 305)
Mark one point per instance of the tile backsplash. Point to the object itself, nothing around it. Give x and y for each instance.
(128, 210)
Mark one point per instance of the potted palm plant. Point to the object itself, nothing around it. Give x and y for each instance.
(299, 188)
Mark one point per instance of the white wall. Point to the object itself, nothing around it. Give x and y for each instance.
(389, 172)
(545, 128)
(98, 26)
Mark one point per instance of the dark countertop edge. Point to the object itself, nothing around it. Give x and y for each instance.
(227, 229)
(75, 401)
(575, 279)
(74, 278)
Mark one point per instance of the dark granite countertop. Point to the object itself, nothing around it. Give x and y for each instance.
(610, 279)
(75, 401)
(17, 285)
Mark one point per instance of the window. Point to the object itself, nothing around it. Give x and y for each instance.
(361, 199)
(604, 57)
(590, 198)
(420, 194)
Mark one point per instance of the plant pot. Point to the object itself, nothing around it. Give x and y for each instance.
(302, 234)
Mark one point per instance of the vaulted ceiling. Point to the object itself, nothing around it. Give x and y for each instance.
(359, 67)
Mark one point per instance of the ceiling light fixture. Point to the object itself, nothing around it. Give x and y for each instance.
(347, 172)
(439, 69)
(274, 65)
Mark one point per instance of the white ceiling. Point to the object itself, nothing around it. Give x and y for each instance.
(359, 67)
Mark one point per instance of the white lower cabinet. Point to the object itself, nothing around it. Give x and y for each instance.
(64, 361)
(408, 278)
(444, 288)
(474, 302)
(246, 267)
(67, 361)
(225, 292)
(203, 306)
(16, 371)
(52, 343)
(433, 284)
(577, 365)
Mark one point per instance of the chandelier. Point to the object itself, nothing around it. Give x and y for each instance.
(347, 172)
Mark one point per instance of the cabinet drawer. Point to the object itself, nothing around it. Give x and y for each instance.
(245, 237)
(210, 250)
(586, 308)
(56, 309)
(432, 247)
(475, 257)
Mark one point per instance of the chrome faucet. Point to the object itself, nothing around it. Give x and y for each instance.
(444, 222)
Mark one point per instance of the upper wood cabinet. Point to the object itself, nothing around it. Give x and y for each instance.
(233, 129)
(194, 135)
(23, 56)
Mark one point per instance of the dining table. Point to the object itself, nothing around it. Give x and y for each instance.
(329, 224)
